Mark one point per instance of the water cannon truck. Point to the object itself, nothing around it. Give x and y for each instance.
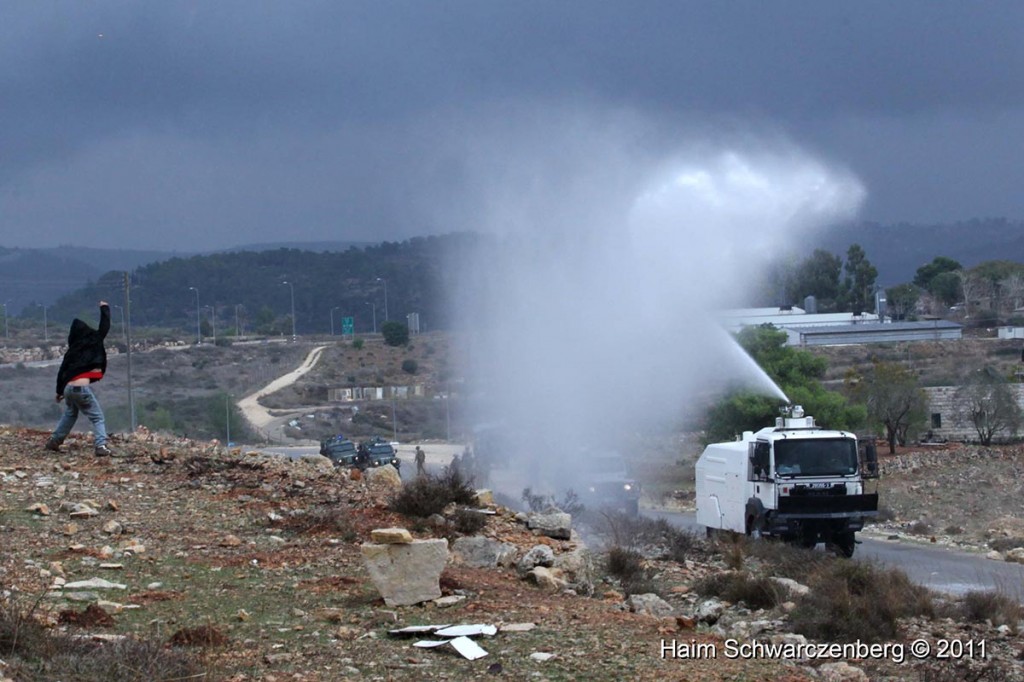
(794, 481)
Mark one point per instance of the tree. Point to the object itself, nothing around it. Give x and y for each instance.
(986, 401)
(893, 400)
(395, 333)
(902, 300)
(859, 285)
(796, 372)
(945, 288)
(818, 276)
(926, 274)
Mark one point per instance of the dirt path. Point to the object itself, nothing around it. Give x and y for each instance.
(259, 417)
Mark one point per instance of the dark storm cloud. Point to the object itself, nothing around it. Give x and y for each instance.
(223, 121)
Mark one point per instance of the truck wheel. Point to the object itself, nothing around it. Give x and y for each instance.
(845, 545)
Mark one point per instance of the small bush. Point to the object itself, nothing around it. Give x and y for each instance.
(32, 651)
(852, 600)
(357, 344)
(468, 521)
(1005, 544)
(657, 537)
(320, 520)
(426, 495)
(410, 366)
(997, 607)
(739, 586)
(627, 566)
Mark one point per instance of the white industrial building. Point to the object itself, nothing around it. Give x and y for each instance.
(814, 329)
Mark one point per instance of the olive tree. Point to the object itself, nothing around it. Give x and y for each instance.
(893, 398)
(986, 401)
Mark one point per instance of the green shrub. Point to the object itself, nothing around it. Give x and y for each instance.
(468, 521)
(357, 344)
(426, 495)
(997, 607)
(740, 586)
(410, 366)
(852, 600)
(395, 333)
(627, 566)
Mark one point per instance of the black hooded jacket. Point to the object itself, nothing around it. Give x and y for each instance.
(85, 349)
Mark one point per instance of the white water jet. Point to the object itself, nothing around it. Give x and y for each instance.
(592, 310)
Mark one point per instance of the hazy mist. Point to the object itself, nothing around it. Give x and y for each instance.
(592, 312)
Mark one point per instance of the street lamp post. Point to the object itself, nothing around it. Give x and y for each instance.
(7, 330)
(238, 328)
(199, 338)
(374, 306)
(381, 279)
(292, 287)
(332, 318)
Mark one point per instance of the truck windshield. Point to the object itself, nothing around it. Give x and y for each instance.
(821, 457)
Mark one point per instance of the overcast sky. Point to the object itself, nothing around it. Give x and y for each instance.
(202, 125)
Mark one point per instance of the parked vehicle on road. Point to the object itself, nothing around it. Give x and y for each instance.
(339, 450)
(794, 481)
(377, 452)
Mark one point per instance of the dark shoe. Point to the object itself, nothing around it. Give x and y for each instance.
(104, 451)
(52, 445)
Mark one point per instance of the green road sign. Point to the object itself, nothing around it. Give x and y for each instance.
(348, 325)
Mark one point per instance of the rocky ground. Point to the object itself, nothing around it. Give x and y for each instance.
(252, 564)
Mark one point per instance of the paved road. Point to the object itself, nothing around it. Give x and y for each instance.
(939, 568)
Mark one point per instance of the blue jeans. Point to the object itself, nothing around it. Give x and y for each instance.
(81, 399)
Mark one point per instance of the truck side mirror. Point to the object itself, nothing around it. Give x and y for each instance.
(869, 461)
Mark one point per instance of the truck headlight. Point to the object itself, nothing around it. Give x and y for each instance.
(627, 487)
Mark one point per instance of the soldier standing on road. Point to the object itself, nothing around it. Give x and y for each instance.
(85, 362)
(421, 461)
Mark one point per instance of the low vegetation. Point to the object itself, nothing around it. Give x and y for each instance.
(430, 494)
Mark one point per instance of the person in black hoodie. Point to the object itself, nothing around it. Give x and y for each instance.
(85, 362)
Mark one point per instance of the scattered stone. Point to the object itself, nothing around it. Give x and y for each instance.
(539, 555)
(390, 536)
(38, 508)
(709, 611)
(409, 573)
(484, 497)
(649, 604)
(386, 475)
(230, 541)
(482, 552)
(451, 600)
(518, 627)
(555, 524)
(83, 511)
(541, 656)
(94, 584)
(112, 528)
(796, 589)
(546, 578)
(1015, 555)
(842, 672)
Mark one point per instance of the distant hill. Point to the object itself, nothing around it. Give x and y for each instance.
(346, 272)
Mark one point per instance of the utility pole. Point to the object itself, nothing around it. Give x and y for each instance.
(127, 311)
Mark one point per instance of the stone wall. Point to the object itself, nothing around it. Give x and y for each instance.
(942, 402)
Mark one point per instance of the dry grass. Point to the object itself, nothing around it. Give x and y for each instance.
(851, 600)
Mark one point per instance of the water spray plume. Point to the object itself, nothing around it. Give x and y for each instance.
(593, 313)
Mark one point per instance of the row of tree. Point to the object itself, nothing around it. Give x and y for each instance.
(886, 399)
(987, 293)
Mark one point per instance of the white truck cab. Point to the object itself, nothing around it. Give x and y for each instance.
(795, 480)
